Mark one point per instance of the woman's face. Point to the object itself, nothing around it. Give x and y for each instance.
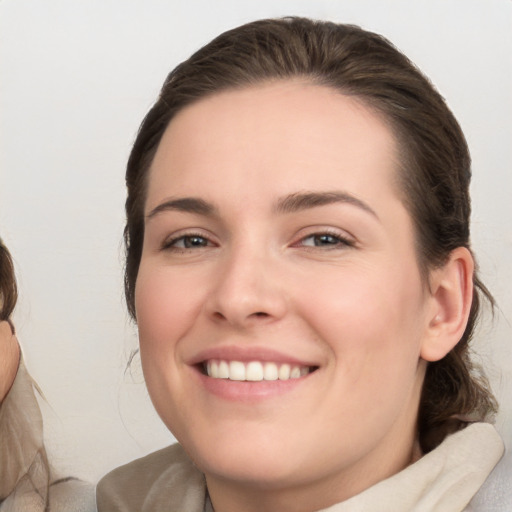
(276, 244)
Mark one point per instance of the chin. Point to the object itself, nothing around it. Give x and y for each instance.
(263, 474)
(248, 461)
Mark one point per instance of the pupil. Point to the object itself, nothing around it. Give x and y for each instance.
(325, 240)
(195, 241)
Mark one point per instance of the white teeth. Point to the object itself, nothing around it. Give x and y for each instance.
(270, 371)
(218, 369)
(223, 370)
(236, 370)
(295, 372)
(254, 371)
(284, 372)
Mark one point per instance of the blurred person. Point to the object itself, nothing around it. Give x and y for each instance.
(28, 482)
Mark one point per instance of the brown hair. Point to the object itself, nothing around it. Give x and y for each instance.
(8, 288)
(434, 170)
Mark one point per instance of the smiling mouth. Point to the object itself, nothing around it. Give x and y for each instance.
(254, 371)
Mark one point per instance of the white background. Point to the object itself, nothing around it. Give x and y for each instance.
(76, 78)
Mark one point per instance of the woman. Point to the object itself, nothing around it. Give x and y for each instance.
(299, 268)
(27, 481)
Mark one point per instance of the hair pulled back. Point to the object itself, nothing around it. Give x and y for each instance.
(433, 178)
(8, 288)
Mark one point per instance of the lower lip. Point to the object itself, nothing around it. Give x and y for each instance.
(248, 391)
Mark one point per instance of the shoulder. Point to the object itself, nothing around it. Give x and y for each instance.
(65, 495)
(496, 493)
(167, 477)
(71, 494)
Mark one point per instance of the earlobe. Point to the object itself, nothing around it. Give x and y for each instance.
(451, 294)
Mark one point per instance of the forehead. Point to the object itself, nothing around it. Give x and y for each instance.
(291, 133)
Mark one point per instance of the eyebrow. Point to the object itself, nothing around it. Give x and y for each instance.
(288, 204)
(305, 200)
(184, 204)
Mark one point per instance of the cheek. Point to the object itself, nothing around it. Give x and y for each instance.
(368, 316)
(372, 329)
(164, 306)
(164, 314)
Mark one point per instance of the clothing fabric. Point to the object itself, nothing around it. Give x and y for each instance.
(27, 482)
(444, 480)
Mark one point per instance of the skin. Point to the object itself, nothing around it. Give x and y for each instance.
(352, 303)
(9, 358)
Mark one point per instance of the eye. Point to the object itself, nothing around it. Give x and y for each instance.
(326, 240)
(184, 242)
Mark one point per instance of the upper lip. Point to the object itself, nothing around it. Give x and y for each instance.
(247, 354)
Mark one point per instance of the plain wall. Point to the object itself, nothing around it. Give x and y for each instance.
(76, 78)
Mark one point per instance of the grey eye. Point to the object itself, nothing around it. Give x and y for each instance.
(322, 240)
(189, 242)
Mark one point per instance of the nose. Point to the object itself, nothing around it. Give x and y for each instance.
(247, 290)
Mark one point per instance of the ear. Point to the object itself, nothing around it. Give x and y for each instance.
(451, 294)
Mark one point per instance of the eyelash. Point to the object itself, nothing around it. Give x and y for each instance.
(168, 244)
(340, 242)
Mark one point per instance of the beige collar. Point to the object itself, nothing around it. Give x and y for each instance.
(443, 480)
